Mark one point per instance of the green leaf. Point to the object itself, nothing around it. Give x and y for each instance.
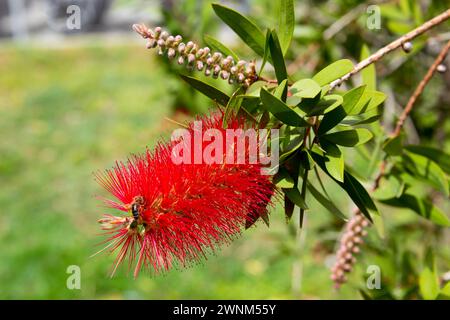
(295, 196)
(281, 111)
(255, 88)
(291, 143)
(233, 106)
(333, 72)
(379, 225)
(422, 207)
(354, 189)
(326, 202)
(208, 90)
(280, 90)
(429, 284)
(327, 104)
(286, 24)
(352, 98)
(368, 74)
(219, 46)
(289, 207)
(266, 57)
(283, 180)
(436, 155)
(370, 100)
(426, 170)
(244, 28)
(359, 195)
(368, 118)
(349, 138)
(390, 187)
(277, 59)
(305, 88)
(332, 118)
(446, 290)
(334, 160)
(394, 146)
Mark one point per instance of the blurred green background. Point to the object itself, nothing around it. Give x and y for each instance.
(68, 111)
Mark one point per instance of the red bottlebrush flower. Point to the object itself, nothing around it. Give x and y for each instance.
(176, 213)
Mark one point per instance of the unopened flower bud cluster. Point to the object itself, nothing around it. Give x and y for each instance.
(350, 243)
(195, 57)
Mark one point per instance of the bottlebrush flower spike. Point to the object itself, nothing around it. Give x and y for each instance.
(176, 213)
(195, 57)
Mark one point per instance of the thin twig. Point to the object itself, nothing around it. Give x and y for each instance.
(420, 88)
(393, 46)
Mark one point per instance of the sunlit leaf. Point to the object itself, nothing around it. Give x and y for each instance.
(390, 187)
(349, 138)
(286, 24)
(325, 202)
(219, 46)
(277, 58)
(437, 155)
(334, 117)
(427, 170)
(305, 88)
(353, 187)
(333, 72)
(244, 28)
(368, 74)
(422, 207)
(428, 284)
(334, 160)
(370, 100)
(281, 111)
(283, 180)
(208, 90)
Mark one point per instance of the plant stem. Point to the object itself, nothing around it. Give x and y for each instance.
(393, 46)
(412, 100)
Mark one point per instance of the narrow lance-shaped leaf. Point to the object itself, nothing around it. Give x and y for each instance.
(266, 56)
(334, 160)
(244, 28)
(422, 207)
(233, 105)
(349, 138)
(354, 189)
(286, 24)
(281, 111)
(295, 196)
(208, 90)
(280, 90)
(426, 170)
(219, 46)
(438, 156)
(350, 99)
(333, 72)
(370, 100)
(325, 202)
(368, 74)
(277, 59)
(327, 104)
(393, 146)
(305, 88)
(283, 180)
